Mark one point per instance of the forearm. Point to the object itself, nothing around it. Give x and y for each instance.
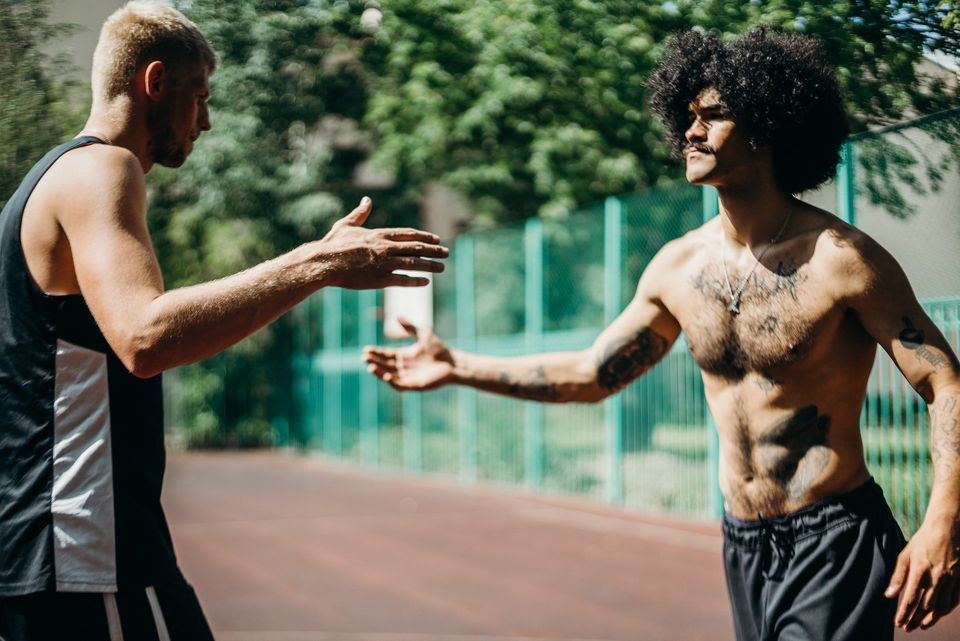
(189, 324)
(559, 377)
(944, 505)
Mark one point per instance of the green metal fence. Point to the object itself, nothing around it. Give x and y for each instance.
(553, 285)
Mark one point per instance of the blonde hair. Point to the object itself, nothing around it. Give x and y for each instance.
(141, 32)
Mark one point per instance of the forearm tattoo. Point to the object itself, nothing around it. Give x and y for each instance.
(626, 358)
(532, 386)
(944, 432)
(913, 338)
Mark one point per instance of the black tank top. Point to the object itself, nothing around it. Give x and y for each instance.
(81, 439)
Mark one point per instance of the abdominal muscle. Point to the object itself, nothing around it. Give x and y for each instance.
(794, 459)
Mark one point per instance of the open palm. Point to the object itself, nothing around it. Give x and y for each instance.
(424, 365)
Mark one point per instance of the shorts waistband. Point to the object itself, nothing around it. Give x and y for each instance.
(850, 506)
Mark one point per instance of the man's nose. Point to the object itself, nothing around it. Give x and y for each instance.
(696, 132)
(203, 120)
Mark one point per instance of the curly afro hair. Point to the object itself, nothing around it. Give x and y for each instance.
(776, 85)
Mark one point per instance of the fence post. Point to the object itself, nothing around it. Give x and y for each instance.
(466, 340)
(533, 339)
(846, 192)
(369, 404)
(412, 416)
(612, 295)
(332, 397)
(711, 207)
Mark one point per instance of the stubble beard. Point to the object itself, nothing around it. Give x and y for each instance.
(166, 151)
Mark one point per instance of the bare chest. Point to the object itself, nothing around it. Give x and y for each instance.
(782, 314)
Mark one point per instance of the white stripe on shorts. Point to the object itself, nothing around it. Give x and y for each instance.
(113, 616)
(162, 633)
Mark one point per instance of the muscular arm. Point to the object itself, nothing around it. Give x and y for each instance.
(889, 311)
(152, 330)
(633, 343)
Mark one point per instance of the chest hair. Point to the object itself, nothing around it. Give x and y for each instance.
(774, 327)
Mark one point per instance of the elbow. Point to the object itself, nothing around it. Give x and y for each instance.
(590, 385)
(142, 367)
(142, 364)
(594, 393)
(142, 356)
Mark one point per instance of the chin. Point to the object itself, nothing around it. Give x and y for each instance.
(173, 158)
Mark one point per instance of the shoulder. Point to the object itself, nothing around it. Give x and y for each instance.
(680, 251)
(97, 179)
(671, 265)
(101, 165)
(851, 259)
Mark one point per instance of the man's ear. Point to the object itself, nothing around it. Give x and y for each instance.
(154, 79)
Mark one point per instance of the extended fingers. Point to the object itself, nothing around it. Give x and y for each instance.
(899, 575)
(426, 250)
(410, 234)
(402, 280)
(909, 601)
(381, 360)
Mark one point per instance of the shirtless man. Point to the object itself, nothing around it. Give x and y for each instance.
(783, 306)
(86, 328)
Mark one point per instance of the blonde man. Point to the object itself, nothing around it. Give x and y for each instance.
(86, 328)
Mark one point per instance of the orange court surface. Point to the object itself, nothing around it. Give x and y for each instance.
(282, 547)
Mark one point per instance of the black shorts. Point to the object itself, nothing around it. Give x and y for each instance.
(153, 614)
(817, 574)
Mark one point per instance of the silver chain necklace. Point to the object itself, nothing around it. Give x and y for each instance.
(734, 306)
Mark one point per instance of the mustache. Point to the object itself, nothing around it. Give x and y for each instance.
(701, 147)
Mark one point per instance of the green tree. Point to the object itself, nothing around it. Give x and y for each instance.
(276, 170)
(34, 115)
(525, 107)
(536, 108)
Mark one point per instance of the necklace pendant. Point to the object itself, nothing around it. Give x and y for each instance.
(734, 306)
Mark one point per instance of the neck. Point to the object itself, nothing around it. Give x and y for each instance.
(115, 124)
(752, 214)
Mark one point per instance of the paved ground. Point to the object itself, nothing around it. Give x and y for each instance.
(286, 548)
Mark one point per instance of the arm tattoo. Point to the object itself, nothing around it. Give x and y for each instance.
(532, 386)
(913, 339)
(944, 432)
(629, 357)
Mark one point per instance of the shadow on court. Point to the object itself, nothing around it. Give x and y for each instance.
(288, 548)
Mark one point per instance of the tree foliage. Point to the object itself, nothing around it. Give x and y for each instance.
(525, 107)
(34, 115)
(536, 108)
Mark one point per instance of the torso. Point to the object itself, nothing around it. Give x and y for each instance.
(786, 377)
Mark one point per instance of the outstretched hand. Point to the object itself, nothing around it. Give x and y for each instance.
(424, 365)
(364, 258)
